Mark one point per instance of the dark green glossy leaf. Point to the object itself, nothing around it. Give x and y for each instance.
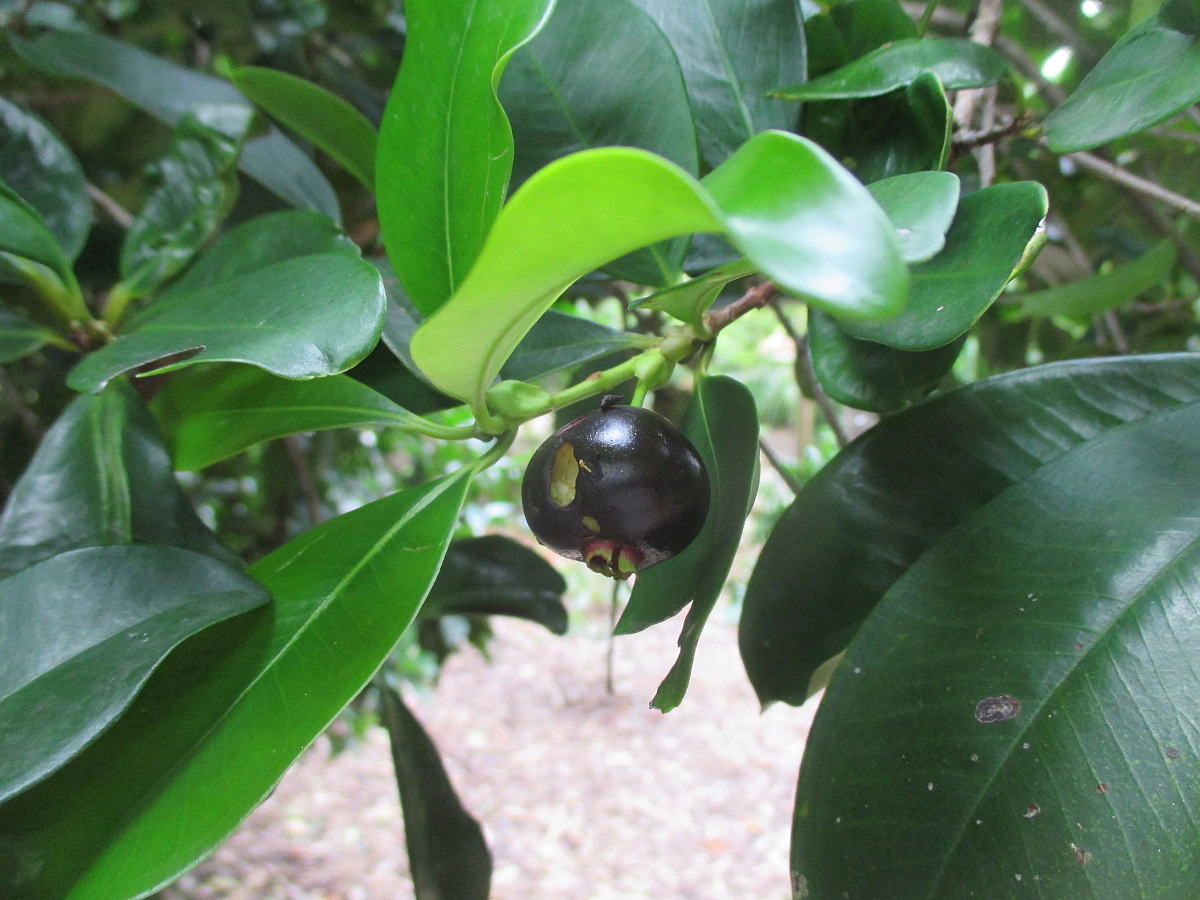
(445, 146)
(723, 425)
(921, 206)
(557, 105)
(81, 632)
(907, 131)
(562, 341)
(324, 119)
(1021, 701)
(192, 757)
(24, 234)
(447, 853)
(495, 575)
(195, 186)
(889, 496)
(871, 376)
(261, 242)
(949, 292)
(798, 216)
(168, 92)
(689, 301)
(1149, 75)
(956, 62)
(867, 25)
(277, 318)
(1090, 296)
(211, 413)
(100, 476)
(732, 53)
(19, 336)
(45, 173)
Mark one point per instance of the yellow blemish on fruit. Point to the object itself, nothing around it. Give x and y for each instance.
(563, 473)
(590, 523)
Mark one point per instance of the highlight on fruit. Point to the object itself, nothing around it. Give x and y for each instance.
(620, 489)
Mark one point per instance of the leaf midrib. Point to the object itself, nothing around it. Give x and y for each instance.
(1113, 626)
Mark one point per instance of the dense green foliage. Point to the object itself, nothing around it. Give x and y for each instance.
(325, 259)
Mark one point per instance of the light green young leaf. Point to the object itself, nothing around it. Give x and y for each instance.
(796, 214)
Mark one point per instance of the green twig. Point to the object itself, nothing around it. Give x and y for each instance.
(926, 17)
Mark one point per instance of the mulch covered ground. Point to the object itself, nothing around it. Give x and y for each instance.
(582, 794)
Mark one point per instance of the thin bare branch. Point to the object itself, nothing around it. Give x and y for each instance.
(755, 298)
(1124, 177)
(806, 376)
(304, 478)
(111, 207)
(778, 465)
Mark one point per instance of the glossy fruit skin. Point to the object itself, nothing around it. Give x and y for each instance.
(621, 489)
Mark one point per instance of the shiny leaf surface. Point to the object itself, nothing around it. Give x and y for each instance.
(796, 214)
(957, 63)
(558, 106)
(195, 186)
(733, 52)
(921, 206)
(871, 376)
(905, 132)
(889, 496)
(1148, 76)
(45, 173)
(277, 318)
(445, 146)
(24, 234)
(322, 118)
(1019, 703)
(985, 243)
(81, 632)
(261, 242)
(447, 853)
(190, 760)
(100, 476)
(209, 414)
(723, 425)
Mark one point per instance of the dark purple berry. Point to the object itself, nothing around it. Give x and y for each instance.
(620, 489)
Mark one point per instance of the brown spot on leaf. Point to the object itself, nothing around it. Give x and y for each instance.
(1081, 856)
(1172, 753)
(997, 709)
(1031, 810)
(1102, 788)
